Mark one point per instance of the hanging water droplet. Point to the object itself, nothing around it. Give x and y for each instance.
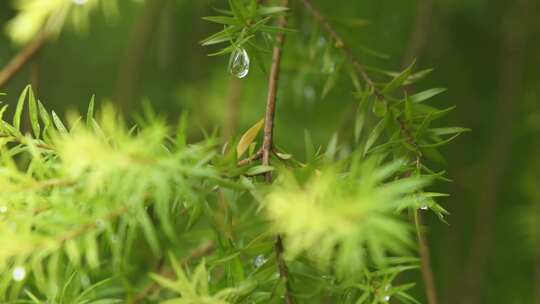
(386, 298)
(259, 261)
(239, 63)
(19, 273)
(79, 2)
(424, 207)
(3, 209)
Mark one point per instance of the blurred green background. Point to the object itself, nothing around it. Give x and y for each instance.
(486, 52)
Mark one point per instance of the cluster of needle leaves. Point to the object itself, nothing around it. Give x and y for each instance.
(89, 209)
(95, 211)
(246, 26)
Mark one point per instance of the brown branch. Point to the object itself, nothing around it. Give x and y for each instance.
(63, 238)
(268, 142)
(22, 58)
(55, 182)
(416, 47)
(271, 100)
(339, 43)
(427, 273)
(23, 140)
(251, 159)
(409, 137)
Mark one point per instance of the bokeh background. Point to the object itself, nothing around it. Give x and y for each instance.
(486, 52)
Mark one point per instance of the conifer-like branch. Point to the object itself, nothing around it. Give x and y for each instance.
(427, 273)
(339, 42)
(268, 139)
(22, 58)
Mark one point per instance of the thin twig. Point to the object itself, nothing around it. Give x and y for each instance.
(22, 58)
(24, 140)
(50, 183)
(339, 42)
(268, 142)
(427, 273)
(426, 259)
(65, 237)
(251, 159)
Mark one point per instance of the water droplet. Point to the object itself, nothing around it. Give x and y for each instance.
(259, 261)
(386, 298)
(239, 63)
(424, 207)
(79, 2)
(3, 209)
(19, 273)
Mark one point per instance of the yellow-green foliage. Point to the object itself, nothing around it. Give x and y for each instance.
(76, 181)
(51, 15)
(195, 289)
(344, 218)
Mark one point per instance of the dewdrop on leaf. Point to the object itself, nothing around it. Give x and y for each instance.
(239, 63)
